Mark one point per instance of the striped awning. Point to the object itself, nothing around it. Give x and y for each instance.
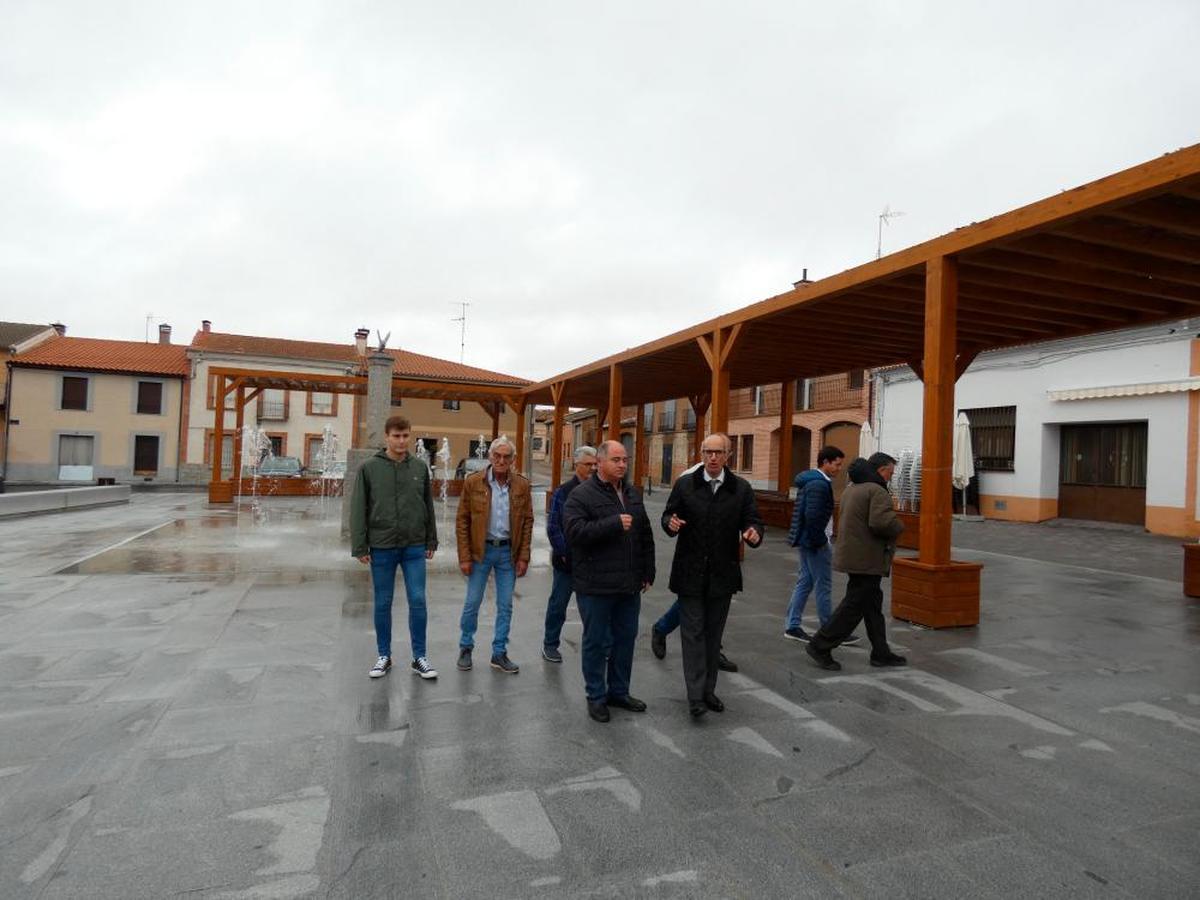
(1144, 389)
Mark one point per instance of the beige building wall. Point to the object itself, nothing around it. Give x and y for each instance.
(111, 420)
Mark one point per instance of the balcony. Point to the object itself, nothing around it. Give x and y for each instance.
(274, 410)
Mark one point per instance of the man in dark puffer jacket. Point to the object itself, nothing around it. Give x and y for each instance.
(612, 563)
(867, 532)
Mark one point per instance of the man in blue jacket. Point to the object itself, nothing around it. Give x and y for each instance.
(560, 556)
(811, 533)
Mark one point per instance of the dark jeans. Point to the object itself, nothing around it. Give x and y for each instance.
(556, 608)
(610, 624)
(863, 603)
(410, 561)
(701, 627)
(669, 621)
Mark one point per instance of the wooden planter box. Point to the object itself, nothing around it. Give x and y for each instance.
(910, 538)
(774, 508)
(936, 596)
(1191, 569)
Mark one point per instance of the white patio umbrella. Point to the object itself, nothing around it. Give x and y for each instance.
(963, 468)
(866, 441)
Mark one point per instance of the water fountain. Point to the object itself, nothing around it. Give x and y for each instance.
(422, 454)
(256, 447)
(481, 447)
(443, 456)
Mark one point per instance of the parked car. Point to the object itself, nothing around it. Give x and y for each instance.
(468, 465)
(280, 467)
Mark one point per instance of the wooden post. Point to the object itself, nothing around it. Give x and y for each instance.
(519, 403)
(641, 452)
(787, 399)
(218, 427)
(495, 419)
(558, 396)
(718, 349)
(932, 590)
(614, 402)
(937, 434)
(700, 405)
(239, 419)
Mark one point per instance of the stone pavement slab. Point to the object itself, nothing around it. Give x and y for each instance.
(184, 710)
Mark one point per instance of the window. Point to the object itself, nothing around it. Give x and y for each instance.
(273, 404)
(993, 437)
(451, 405)
(803, 394)
(648, 417)
(312, 452)
(854, 380)
(226, 450)
(75, 453)
(277, 444)
(149, 398)
(689, 418)
(732, 459)
(322, 403)
(1105, 455)
(537, 443)
(746, 457)
(145, 453)
(666, 418)
(759, 401)
(74, 393)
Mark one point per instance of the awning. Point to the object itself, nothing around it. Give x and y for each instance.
(1144, 389)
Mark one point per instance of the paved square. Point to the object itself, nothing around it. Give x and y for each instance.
(185, 711)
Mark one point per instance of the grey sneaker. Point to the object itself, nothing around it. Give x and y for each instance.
(551, 654)
(851, 641)
(381, 667)
(797, 634)
(504, 664)
(421, 667)
(464, 659)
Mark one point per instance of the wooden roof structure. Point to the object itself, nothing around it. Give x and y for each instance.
(1120, 251)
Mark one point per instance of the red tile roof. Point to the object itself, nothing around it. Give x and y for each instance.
(408, 364)
(98, 355)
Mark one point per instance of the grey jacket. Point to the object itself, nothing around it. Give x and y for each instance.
(867, 525)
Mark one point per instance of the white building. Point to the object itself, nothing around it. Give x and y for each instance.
(1102, 427)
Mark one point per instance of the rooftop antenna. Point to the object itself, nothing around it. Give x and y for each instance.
(883, 220)
(150, 319)
(462, 345)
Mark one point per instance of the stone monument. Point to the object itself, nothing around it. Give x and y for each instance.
(378, 407)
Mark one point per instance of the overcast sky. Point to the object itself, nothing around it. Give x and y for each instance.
(589, 176)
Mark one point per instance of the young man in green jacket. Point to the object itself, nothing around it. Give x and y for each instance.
(392, 526)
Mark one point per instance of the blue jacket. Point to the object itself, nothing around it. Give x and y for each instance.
(560, 555)
(814, 508)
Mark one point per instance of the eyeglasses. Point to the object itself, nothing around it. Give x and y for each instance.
(502, 456)
(714, 452)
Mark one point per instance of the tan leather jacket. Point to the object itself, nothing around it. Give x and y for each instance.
(475, 506)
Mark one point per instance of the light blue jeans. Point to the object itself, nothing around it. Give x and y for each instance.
(411, 562)
(816, 572)
(498, 559)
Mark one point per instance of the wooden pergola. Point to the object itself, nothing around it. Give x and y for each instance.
(247, 384)
(1118, 252)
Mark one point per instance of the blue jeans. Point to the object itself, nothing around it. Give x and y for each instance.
(610, 624)
(669, 621)
(500, 560)
(411, 562)
(556, 608)
(816, 571)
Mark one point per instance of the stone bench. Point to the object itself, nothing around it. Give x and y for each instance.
(31, 503)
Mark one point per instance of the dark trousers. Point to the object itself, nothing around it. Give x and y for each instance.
(863, 603)
(610, 625)
(701, 626)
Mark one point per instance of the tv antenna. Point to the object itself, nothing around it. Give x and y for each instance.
(151, 318)
(884, 216)
(462, 320)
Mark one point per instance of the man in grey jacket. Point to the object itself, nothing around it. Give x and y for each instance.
(867, 532)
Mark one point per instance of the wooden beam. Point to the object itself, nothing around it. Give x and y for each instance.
(641, 450)
(917, 364)
(1108, 232)
(520, 441)
(937, 431)
(787, 403)
(1063, 292)
(1127, 262)
(1172, 213)
(556, 445)
(239, 419)
(614, 402)
(966, 356)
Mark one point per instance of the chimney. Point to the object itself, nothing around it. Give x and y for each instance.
(205, 326)
(360, 340)
(59, 327)
(164, 334)
(804, 279)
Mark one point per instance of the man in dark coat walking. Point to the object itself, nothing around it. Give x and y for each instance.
(612, 563)
(867, 532)
(711, 511)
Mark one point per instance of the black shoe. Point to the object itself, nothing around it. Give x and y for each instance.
(551, 654)
(713, 702)
(797, 634)
(504, 664)
(697, 708)
(633, 704)
(598, 711)
(464, 659)
(658, 643)
(823, 659)
(892, 659)
(724, 664)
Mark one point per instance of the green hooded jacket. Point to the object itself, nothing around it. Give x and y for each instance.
(392, 505)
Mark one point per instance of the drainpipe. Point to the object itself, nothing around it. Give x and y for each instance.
(180, 437)
(7, 416)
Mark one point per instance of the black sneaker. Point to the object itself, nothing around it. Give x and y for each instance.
(797, 634)
(551, 654)
(381, 667)
(422, 668)
(658, 643)
(725, 664)
(851, 641)
(892, 659)
(464, 659)
(824, 659)
(504, 664)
